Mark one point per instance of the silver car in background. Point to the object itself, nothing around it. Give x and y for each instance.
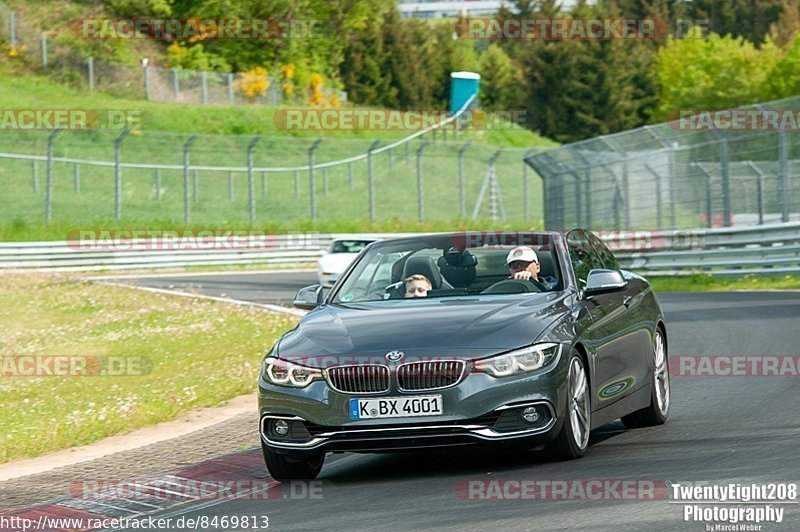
(339, 256)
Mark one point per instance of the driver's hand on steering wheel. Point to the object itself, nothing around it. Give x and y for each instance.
(524, 275)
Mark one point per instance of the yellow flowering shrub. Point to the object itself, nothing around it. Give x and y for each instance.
(253, 83)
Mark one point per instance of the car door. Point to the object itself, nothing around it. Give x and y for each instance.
(605, 336)
(635, 340)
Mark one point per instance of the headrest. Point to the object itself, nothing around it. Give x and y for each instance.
(458, 267)
(423, 266)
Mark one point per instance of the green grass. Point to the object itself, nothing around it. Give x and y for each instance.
(226, 132)
(708, 283)
(201, 353)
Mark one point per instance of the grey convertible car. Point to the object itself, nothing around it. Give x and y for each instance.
(484, 358)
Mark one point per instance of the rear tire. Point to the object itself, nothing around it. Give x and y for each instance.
(283, 467)
(657, 412)
(572, 440)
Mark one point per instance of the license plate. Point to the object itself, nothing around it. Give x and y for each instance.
(415, 406)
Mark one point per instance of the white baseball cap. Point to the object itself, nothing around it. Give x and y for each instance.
(523, 253)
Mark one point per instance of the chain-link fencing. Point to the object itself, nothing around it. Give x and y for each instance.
(23, 41)
(85, 177)
(679, 175)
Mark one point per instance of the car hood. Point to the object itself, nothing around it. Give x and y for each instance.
(455, 327)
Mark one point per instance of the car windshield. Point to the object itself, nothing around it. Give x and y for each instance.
(348, 246)
(448, 265)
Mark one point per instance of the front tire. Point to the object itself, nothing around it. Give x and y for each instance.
(658, 410)
(283, 467)
(573, 439)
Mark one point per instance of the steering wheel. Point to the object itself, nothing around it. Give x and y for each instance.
(512, 286)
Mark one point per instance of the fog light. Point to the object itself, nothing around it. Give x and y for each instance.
(281, 427)
(530, 414)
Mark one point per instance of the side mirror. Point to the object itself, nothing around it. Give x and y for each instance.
(309, 297)
(603, 282)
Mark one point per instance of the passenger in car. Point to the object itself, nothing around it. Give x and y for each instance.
(417, 285)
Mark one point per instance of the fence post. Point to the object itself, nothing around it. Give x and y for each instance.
(158, 184)
(615, 205)
(296, 184)
(657, 181)
(625, 198)
(312, 185)
(784, 174)
(708, 191)
(35, 176)
(48, 200)
(230, 185)
(263, 184)
(578, 197)
(204, 85)
(44, 50)
(759, 190)
(726, 183)
(12, 28)
(90, 68)
(146, 80)
(371, 180)
(461, 197)
(251, 193)
(408, 152)
(187, 213)
(76, 179)
(176, 88)
(229, 77)
(420, 210)
(350, 175)
(673, 222)
(118, 174)
(587, 196)
(545, 205)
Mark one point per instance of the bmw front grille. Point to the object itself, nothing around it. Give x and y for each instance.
(412, 376)
(418, 376)
(366, 378)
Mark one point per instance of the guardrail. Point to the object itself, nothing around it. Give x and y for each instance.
(760, 250)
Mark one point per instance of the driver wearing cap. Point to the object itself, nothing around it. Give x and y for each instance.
(523, 264)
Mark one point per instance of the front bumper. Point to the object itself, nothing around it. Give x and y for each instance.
(480, 409)
(496, 426)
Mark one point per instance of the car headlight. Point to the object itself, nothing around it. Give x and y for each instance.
(518, 361)
(285, 373)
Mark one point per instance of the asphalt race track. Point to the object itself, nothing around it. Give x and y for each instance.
(722, 429)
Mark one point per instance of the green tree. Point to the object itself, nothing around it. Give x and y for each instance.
(501, 80)
(712, 73)
(783, 79)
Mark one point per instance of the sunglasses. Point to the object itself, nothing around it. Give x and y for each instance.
(519, 264)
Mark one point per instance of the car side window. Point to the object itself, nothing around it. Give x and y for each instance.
(583, 256)
(606, 256)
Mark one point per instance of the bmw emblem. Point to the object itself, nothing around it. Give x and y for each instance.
(394, 356)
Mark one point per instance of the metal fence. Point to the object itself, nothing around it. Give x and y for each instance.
(25, 42)
(662, 176)
(85, 177)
